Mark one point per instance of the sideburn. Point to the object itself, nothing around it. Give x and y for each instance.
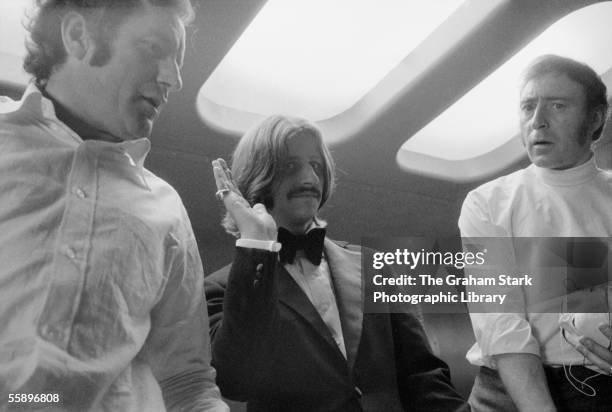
(584, 137)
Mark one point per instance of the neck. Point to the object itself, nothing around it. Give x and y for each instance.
(65, 112)
(568, 177)
(297, 228)
(70, 89)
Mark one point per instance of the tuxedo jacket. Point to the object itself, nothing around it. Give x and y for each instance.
(271, 348)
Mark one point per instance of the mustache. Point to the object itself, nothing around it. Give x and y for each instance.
(304, 190)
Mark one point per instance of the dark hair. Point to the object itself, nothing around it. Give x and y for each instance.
(594, 88)
(45, 50)
(257, 159)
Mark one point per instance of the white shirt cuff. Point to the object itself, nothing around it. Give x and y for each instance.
(269, 245)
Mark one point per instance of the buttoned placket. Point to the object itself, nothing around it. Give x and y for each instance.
(67, 274)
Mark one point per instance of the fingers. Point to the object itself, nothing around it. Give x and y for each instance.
(252, 222)
(600, 356)
(606, 330)
(229, 179)
(225, 168)
(221, 178)
(259, 208)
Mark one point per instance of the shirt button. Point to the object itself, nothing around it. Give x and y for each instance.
(68, 251)
(259, 271)
(79, 192)
(51, 333)
(55, 335)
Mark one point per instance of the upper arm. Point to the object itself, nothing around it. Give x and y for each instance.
(214, 290)
(178, 345)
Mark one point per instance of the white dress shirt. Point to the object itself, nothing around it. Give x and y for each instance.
(101, 294)
(535, 202)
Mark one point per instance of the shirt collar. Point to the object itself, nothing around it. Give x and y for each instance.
(32, 100)
(82, 128)
(317, 222)
(135, 151)
(568, 177)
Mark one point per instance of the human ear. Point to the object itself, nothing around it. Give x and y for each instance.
(598, 117)
(75, 36)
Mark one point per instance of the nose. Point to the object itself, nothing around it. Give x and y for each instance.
(169, 74)
(539, 119)
(308, 175)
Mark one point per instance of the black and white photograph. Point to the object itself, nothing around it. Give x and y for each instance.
(306, 205)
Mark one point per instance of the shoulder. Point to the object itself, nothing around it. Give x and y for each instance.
(8, 106)
(168, 200)
(160, 186)
(31, 105)
(499, 193)
(485, 209)
(13, 118)
(501, 186)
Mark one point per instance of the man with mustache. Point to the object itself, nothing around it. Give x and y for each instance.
(101, 301)
(288, 329)
(528, 362)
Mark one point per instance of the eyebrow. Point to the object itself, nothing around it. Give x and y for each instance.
(547, 98)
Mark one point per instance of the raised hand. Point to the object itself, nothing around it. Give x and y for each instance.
(253, 222)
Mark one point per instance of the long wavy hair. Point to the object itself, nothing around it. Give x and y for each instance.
(257, 159)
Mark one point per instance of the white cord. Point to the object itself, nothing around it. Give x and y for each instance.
(567, 369)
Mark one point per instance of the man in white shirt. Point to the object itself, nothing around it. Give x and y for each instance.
(289, 330)
(101, 300)
(562, 194)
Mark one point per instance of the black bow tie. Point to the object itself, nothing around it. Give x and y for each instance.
(311, 243)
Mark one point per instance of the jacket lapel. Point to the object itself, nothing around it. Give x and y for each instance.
(345, 268)
(290, 294)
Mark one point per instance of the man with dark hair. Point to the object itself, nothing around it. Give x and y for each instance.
(532, 361)
(101, 300)
(288, 329)
(46, 48)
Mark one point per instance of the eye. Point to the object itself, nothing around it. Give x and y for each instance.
(558, 106)
(290, 166)
(316, 166)
(527, 107)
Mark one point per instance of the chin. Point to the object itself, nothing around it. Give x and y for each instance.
(542, 162)
(140, 130)
(302, 219)
(549, 164)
